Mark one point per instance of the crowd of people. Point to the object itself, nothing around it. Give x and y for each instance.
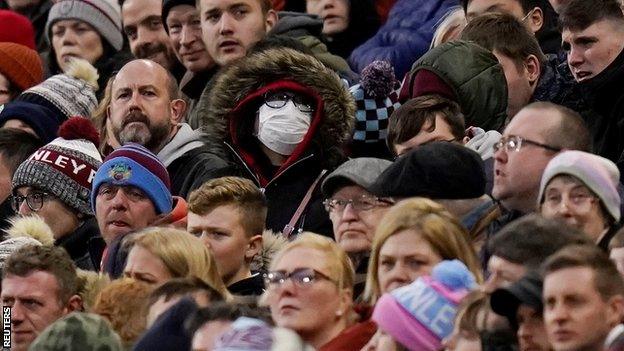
(328, 175)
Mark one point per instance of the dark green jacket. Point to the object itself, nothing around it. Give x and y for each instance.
(474, 75)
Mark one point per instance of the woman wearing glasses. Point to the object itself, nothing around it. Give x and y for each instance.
(581, 189)
(55, 184)
(309, 290)
(415, 235)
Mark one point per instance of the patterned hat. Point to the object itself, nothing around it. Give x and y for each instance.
(66, 166)
(78, 331)
(20, 65)
(69, 94)
(421, 315)
(134, 165)
(103, 15)
(11, 245)
(376, 97)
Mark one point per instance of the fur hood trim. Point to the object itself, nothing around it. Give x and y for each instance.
(32, 227)
(271, 243)
(235, 83)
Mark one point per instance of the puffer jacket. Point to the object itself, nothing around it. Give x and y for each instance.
(475, 77)
(405, 37)
(229, 117)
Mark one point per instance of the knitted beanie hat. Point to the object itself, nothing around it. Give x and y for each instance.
(65, 167)
(20, 65)
(41, 119)
(103, 15)
(134, 165)
(78, 331)
(376, 97)
(169, 4)
(16, 28)
(598, 174)
(250, 334)
(420, 315)
(69, 94)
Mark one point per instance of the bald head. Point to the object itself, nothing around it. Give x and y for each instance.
(150, 69)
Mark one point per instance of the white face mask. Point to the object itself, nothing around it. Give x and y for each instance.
(282, 129)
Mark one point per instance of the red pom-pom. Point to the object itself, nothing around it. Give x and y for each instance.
(79, 128)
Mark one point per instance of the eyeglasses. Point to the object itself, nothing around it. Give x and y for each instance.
(301, 277)
(580, 200)
(33, 200)
(364, 203)
(514, 143)
(280, 98)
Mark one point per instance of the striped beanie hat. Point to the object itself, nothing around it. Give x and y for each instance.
(103, 15)
(134, 165)
(66, 166)
(420, 315)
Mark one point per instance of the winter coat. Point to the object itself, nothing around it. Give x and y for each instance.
(190, 162)
(76, 244)
(405, 37)
(605, 98)
(229, 120)
(557, 85)
(192, 86)
(476, 78)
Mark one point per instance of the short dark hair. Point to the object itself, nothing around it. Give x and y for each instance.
(408, 120)
(526, 5)
(608, 281)
(182, 287)
(531, 239)
(16, 145)
(50, 259)
(504, 33)
(579, 14)
(571, 133)
(227, 311)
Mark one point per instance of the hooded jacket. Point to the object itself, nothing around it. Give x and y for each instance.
(229, 122)
(475, 77)
(190, 162)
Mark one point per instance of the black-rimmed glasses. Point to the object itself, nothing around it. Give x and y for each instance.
(514, 143)
(33, 200)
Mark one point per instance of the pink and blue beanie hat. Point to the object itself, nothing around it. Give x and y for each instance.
(420, 315)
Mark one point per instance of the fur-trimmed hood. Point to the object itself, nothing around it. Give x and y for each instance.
(271, 243)
(237, 91)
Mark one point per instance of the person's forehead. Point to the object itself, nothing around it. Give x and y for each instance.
(134, 11)
(183, 11)
(570, 280)
(223, 216)
(476, 7)
(531, 123)
(302, 257)
(37, 283)
(350, 190)
(141, 73)
(207, 5)
(599, 28)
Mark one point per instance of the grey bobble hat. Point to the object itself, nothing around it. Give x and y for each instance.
(362, 171)
(65, 167)
(11, 245)
(103, 15)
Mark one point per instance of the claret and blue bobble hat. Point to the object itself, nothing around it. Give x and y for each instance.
(420, 315)
(134, 165)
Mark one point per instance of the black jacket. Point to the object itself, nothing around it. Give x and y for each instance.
(228, 118)
(76, 244)
(252, 286)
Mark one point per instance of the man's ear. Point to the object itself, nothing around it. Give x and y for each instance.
(271, 20)
(254, 246)
(74, 304)
(615, 310)
(178, 109)
(536, 20)
(534, 69)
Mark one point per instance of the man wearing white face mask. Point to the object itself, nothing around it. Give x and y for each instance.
(284, 117)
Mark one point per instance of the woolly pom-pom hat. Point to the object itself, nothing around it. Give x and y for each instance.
(66, 166)
(376, 97)
(20, 65)
(134, 165)
(420, 315)
(599, 174)
(69, 94)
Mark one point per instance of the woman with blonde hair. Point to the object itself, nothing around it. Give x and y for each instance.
(310, 290)
(160, 254)
(415, 235)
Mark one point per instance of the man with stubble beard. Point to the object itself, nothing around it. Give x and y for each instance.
(143, 25)
(146, 108)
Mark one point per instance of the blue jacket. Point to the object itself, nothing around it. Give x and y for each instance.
(404, 37)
